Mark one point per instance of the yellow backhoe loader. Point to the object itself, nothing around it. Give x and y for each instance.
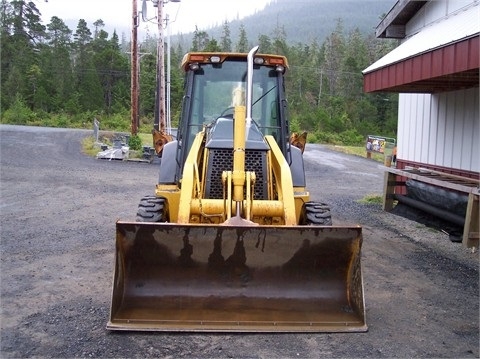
(230, 241)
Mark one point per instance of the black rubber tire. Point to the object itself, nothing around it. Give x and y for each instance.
(151, 209)
(316, 213)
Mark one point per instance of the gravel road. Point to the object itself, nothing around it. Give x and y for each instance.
(58, 209)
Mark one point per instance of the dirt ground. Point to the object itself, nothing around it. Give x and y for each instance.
(58, 209)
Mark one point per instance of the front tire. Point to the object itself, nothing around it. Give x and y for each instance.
(151, 209)
(316, 214)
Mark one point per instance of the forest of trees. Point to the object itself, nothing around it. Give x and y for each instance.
(52, 75)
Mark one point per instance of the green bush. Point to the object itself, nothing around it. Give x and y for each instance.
(62, 120)
(312, 138)
(19, 113)
(327, 137)
(351, 137)
(135, 143)
(115, 122)
(294, 125)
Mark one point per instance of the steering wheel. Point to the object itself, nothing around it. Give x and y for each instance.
(224, 112)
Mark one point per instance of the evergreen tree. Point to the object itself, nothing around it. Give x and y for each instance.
(99, 25)
(7, 50)
(22, 34)
(200, 41)
(264, 44)
(212, 46)
(194, 46)
(334, 53)
(176, 78)
(27, 21)
(354, 61)
(117, 90)
(242, 44)
(82, 36)
(226, 41)
(89, 89)
(279, 44)
(112, 69)
(148, 84)
(57, 78)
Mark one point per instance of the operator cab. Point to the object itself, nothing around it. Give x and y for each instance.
(216, 83)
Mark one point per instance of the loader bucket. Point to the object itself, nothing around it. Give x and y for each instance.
(171, 277)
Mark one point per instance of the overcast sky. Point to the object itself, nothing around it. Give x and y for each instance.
(118, 13)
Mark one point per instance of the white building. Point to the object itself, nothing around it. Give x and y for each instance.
(436, 71)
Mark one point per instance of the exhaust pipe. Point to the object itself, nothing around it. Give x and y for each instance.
(249, 91)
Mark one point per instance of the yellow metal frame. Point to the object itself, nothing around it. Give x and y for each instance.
(187, 205)
(172, 193)
(189, 178)
(284, 183)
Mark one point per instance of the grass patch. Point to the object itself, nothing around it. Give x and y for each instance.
(358, 151)
(89, 147)
(147, 139)
(371, 199)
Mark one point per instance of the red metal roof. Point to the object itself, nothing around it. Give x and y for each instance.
(451, 67)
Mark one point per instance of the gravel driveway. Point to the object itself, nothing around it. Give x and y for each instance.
(58, 212)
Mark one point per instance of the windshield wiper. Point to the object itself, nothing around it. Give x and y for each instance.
(265, 94)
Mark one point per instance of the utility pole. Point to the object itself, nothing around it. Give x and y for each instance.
(134, 71)
(320, 91)
(160, 96)
(168, 111)
(161, 115)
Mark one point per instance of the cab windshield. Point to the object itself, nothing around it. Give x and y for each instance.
(218, 88)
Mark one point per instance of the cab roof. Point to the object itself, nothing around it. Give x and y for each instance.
(220, 57)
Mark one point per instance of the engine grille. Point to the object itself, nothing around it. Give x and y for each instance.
(220, 160)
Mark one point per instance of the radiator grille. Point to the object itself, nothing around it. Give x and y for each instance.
(220, 160)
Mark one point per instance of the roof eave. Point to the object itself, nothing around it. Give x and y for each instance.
(393, 25)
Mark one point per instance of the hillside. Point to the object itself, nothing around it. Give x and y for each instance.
(304, 20)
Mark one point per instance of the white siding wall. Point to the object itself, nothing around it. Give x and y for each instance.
(440, 129)
(435, 11)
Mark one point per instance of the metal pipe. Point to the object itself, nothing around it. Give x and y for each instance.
(249, 92)
(212, 207)
(438, 212)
